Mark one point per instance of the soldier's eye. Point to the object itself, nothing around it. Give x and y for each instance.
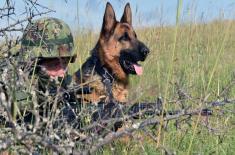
(124, 37)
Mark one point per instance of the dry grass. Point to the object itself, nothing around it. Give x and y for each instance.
(202, 65)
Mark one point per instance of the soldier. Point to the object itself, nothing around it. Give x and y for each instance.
(48, 44)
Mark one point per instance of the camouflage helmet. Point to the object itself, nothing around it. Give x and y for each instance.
(48, 38)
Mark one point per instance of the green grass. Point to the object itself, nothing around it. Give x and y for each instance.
(200, 59)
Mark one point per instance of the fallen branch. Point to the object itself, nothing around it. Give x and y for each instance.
(144, 123)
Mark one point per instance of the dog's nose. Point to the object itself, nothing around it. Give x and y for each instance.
(145, 51)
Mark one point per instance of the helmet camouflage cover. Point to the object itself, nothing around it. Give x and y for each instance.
(48, 38)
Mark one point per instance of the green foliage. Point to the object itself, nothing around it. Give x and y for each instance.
(202, 64)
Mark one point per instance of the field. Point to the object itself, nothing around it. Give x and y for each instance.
(190, 66)
(195, 58)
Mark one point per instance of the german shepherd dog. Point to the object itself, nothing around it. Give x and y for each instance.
(115, 56)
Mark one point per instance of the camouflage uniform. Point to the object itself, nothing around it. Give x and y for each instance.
(48, 38)
(43, 39)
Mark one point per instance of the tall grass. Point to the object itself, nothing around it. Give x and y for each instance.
(200, 60)
(197, 58)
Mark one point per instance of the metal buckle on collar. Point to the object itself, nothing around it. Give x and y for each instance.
(107, 76)
(108, 82)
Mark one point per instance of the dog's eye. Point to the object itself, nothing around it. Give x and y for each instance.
(124, 37)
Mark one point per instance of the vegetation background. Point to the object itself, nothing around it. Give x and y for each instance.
(196, 57)
(199, 58)
(193, 55)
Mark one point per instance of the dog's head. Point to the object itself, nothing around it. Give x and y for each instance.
(120, 49)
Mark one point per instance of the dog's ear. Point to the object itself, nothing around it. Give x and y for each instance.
(127, 16)
(109, 20)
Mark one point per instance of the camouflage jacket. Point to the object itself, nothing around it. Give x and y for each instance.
(26, 85)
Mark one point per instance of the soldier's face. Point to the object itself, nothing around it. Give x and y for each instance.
(56, 67)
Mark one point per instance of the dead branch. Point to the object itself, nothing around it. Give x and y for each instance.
(23, 20)
(147, 122)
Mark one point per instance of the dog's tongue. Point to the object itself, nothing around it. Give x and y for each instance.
(138, 69)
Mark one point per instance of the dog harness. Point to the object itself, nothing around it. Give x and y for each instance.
(106, 77)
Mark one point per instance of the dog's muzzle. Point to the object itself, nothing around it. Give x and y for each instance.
(129, 59)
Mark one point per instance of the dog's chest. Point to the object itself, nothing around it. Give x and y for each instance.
(100, 93)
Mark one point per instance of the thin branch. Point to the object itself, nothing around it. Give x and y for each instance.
(23, 20)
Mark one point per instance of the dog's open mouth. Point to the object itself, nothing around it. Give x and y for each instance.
(132, 67)
(129, 63)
